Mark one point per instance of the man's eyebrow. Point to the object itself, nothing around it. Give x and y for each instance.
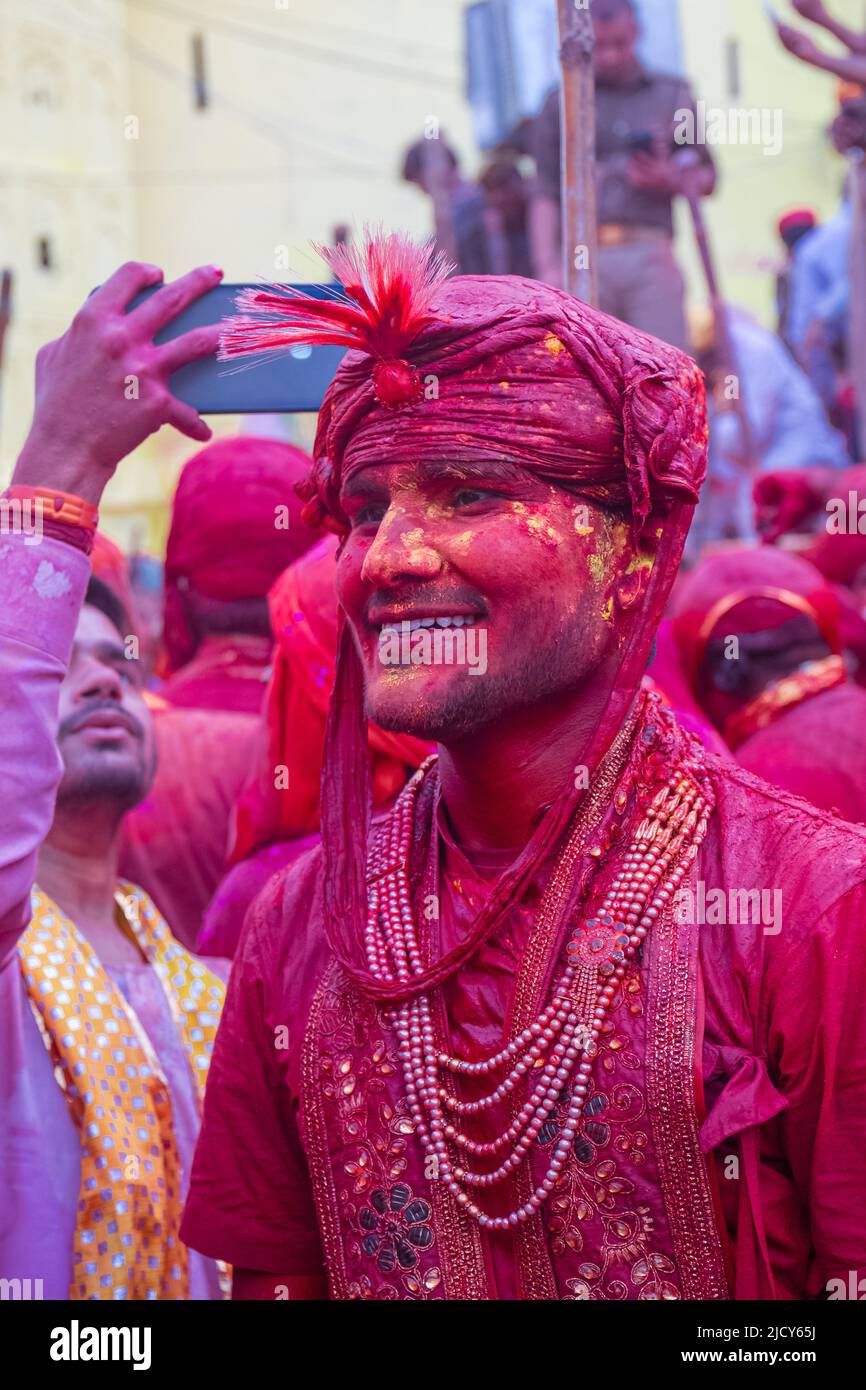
(110, 651)
(361, 485)
(501, 471)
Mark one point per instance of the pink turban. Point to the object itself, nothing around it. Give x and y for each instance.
(236, 524)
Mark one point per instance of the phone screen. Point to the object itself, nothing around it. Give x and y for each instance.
(290, 381)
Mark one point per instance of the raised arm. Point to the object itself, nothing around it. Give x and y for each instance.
(817, 12)
(850, 69)
(87, 417)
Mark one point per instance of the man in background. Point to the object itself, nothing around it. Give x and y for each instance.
(638, 177)
(235, 525)
(106, 1022)
(793, 227)
(758, 632)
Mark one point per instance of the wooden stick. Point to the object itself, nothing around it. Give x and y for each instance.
(721, 327)
(5, 318)
(857, 272)
(5, 307)
(577, 158)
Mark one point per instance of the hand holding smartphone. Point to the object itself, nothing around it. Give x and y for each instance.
(289, 382)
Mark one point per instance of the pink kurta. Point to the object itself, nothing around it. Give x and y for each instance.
(729, 1042)
(41, 589)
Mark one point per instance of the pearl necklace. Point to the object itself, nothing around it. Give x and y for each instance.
(558, 1048)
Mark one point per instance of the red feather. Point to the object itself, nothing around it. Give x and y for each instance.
(388, 283)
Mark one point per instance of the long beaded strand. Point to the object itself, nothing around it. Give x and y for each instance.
(565, 1034)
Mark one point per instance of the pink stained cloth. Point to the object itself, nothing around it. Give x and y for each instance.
(666, 671)
(229, 672)
(793, 751)
(789, 502)
(41, 590)
(236, 523)
(235, 894)
(175, 843)
(730, 592)
(817, 749)
(780, 1063)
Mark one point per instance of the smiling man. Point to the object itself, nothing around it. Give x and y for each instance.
(106, 1022)
(472, 1052)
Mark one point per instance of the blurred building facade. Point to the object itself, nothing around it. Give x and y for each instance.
(235, 131)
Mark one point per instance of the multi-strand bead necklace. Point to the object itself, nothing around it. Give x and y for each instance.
(557, 1050)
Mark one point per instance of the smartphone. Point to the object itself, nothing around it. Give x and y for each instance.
(641, 142)
(290, 381)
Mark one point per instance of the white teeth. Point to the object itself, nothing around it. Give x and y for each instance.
(415, 623)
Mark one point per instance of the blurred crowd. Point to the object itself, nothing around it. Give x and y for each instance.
(761, 653)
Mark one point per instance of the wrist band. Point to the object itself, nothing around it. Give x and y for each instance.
(59, 506)
(80, 537)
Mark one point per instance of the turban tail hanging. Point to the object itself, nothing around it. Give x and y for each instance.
(481, 366)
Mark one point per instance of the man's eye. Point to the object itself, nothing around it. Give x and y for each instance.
(371, 515)
(469, 495)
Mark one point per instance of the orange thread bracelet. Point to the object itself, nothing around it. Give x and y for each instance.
(58, 506)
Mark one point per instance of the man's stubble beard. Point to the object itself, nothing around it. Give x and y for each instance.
(124, 784)
(471, 703)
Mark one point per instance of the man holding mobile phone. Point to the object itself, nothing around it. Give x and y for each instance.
(638, 177)
(106, 1021)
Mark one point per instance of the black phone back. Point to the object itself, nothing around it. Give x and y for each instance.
(291, 381)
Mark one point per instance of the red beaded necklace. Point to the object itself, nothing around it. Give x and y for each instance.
(558, 1048)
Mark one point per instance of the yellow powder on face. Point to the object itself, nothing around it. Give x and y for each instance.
(639, 562)
(506, 385)
(554, 345)
(413, 542)
(602, 561)
(540, 527)
(607, 610)
(596, 565)
(462, 543)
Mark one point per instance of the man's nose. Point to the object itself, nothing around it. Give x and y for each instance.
(402, 550)
(98, 681)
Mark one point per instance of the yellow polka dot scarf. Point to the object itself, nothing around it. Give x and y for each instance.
(126, 1239)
